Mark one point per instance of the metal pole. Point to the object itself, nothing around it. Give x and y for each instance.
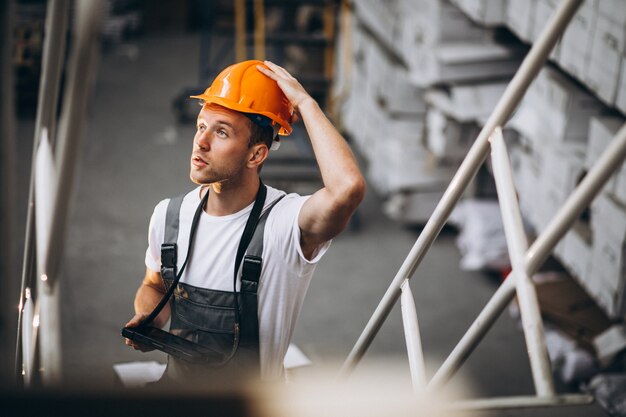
(51, 68)
(259, 30)
(240, 30)
(88, 14)
(517, 246)
(475, 157)
(590, 186)
(413, 340)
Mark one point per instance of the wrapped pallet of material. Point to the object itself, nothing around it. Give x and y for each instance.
(606, 281)
(602, 130)
(620, 100)
(555, 110)
(381, 17)
(576, 43)
(544, 10)
(447, 138)
(484, 12)
(520, 18)
(401, 163)
(608, 46)
(466, 102)
(440, 44)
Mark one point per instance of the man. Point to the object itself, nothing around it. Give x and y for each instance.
(247, 319)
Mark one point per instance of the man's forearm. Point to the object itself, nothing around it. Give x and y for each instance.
(146, 300)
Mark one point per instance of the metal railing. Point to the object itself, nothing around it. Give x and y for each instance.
(54, 162)
(525, 261)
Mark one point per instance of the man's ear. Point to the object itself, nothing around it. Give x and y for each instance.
(258, 155)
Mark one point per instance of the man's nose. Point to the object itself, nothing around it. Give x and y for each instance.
(203, 140)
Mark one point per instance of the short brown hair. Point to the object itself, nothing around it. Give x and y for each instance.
(260, 134)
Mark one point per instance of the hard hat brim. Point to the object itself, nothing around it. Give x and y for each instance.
(285, 128)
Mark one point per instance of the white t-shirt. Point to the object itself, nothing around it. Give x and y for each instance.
(285, 275)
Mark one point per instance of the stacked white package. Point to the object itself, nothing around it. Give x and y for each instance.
(396, 94)
(555, 110)
(561, 169)
(462, 61)
(575, 51)
(440, 44)
(520, 18)
(620, 101)
(381, 18)
(411, 207)
(544, 11)
(602, 130)
(432, 22)
(607, 277)
(607, 51)
(403, 164)
(447, 138)
(486, 12)
(527, 174)
(467, 102)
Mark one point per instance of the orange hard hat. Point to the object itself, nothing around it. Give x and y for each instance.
(243, 88)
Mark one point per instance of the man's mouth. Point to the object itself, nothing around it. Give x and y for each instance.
(197, 161)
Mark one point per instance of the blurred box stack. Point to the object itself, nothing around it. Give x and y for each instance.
(402, 49)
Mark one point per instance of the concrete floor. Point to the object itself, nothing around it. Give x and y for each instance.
(134, 154)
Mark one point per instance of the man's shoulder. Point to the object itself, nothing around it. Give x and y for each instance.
(188, 198)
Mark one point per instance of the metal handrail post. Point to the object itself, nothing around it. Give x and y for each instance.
(85, 47)
(47, 104)
(508, 102)
(589, 187)
(413, 339)
(517, 246)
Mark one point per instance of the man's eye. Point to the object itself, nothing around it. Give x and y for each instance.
(201, 127)
(222, 133)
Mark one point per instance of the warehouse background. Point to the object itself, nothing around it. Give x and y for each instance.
(410, 83)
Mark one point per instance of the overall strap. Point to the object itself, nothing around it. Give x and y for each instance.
(169, 255)
(253, 260)
(169, 250)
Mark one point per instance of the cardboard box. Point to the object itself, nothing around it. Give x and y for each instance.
(381, 17)
(620, 101)
(399, 167)
(412, 207)
(520, 18)
(428, 23)
(608, 215)
(577, 39)
(397, 95)
(607, 280)
(463, 61)
(575, 254)
(447, 138)
(607, 50)
(569, 307)
(619, 191)
(602, 130)
(610, 343)
(544, 11)
(614, 10)
(467, 102)
(486, 12)
(556, 111)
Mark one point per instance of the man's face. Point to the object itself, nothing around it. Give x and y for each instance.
(220, 145)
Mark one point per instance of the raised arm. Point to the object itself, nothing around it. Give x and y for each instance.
(328, 211)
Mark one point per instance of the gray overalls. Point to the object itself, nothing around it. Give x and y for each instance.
(224, 321)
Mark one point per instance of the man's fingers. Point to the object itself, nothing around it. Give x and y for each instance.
(278, 69)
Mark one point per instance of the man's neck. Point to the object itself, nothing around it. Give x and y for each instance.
(230, 197)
